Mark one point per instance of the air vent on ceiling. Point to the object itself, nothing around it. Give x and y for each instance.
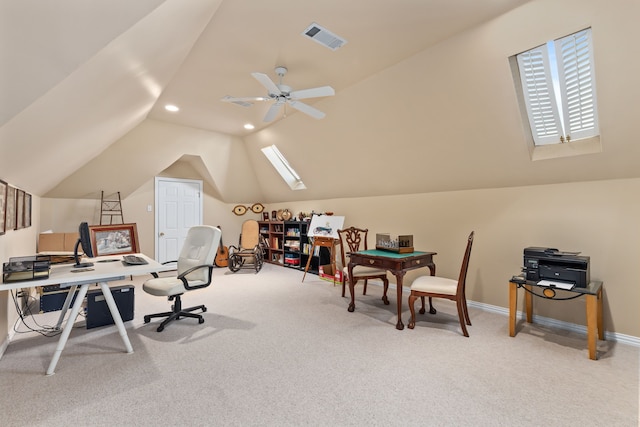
(240, 103)
(323, 36)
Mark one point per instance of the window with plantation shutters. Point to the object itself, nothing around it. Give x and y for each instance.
(558, 85)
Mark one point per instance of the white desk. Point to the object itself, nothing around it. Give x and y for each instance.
(102, 273)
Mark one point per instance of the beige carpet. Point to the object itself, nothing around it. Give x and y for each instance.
(277, 352)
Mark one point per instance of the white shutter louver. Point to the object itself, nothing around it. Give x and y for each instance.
(540, 100)
(577, 82)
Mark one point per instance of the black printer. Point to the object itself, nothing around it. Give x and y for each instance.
(552, 264)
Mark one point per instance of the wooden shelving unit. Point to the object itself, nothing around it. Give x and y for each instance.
(288, 244)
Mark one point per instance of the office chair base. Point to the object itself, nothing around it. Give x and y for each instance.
(176, 314)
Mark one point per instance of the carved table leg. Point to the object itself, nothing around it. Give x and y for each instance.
(399, 275)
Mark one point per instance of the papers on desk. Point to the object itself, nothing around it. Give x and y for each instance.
(559, 285)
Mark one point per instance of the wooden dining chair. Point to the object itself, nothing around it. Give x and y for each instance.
(441, 287)
(354, 239)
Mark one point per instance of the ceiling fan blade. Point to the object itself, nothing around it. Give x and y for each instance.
(307, 109)
(313, 92)
(273, 112)
(244, 98)
(267, 82)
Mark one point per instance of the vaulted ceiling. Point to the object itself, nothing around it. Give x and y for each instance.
(424, 96)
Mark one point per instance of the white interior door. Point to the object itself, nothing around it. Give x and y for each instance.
(178, 208)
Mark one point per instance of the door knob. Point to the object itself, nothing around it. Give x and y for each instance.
(161, 234)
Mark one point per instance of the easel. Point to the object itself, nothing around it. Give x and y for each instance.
(323, 242)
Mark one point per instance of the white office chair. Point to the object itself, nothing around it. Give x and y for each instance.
(195, 266)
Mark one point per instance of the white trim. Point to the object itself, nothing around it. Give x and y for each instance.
(541, 320)
(5, 344)
(547, 321)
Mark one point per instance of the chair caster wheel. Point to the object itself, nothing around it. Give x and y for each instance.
(160, 328)
(201, 320)
(147, 319)
(204, 310)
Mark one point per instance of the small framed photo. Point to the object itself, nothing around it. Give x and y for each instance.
(3, 206)
(10, 215)
(19, 209)
(27, 210)
(265, 216)
(115, 239)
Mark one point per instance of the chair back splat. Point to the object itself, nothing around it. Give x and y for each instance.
(441, 287)
(354, 239)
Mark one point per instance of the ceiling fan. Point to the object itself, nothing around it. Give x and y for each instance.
(282, 94)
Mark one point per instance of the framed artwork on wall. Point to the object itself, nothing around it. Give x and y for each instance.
(114, 239)
(27, 210)
(19, 209)
(3, 206)
(10, 216)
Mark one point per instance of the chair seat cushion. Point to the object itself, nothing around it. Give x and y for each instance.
(361, 270)
(435, 284)
(167, 286)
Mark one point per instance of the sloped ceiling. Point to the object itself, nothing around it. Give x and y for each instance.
(424, 94)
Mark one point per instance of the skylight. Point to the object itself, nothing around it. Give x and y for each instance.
(283, 167)
(559, 89)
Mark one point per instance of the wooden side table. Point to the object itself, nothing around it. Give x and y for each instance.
(593, 296)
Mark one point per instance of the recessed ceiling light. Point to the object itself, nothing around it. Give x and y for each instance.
(249, 126)
(172, 108)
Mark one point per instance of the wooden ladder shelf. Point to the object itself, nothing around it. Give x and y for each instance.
(110, 207)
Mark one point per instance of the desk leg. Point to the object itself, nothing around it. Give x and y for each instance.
(113, 308)
(66, 305)
(592, 323)
(67, 328)
(600, 325)
(399, 275)
(513, 305)
(528, 301)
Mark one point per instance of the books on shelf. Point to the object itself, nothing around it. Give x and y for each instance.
(293, 232)
(292, 245)
(275, 243)
(306, 249)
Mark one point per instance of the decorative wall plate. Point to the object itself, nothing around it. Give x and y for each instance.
(255, 208)
(240, 210)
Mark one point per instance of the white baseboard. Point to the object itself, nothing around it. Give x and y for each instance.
(546, 321)
(5, 343)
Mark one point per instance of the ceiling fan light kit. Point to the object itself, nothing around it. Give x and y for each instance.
(282, 95)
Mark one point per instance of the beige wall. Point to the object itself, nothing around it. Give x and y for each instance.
(597, 218)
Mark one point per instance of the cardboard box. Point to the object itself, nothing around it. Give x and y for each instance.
(57, 242)
(326, 273)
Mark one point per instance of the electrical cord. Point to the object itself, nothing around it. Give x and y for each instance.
(44, 330)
